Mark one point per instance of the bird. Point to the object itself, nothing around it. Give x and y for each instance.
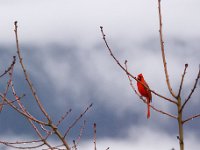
(145, 92)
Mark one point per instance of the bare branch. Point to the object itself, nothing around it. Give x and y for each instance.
(48, 132)
(163, 112)
(27, 77)
(81, 132)
(77, 119)
(154, 108)
(63, 117)
(158, 110)
(9, 102)
(22, 108)
(52, 126)
(9, 68)
(128, 73)
(23, 142)
(76, 142)
(192, 91)
(21, 145)
(129, 78)
(95, 136)
(183, 75)
(31, 119)
(191, 118)
(163, 51)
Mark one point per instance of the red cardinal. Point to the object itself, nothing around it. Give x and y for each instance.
(144, 92)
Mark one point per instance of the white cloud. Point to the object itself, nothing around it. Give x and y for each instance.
(68, 21)
(136, 137)
(141, 138)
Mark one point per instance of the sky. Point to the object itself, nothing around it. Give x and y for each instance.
(70, 67)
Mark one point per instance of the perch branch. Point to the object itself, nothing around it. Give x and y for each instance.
(124, 69)
(154, 108)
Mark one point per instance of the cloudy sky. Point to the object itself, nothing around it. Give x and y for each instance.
(70, 67)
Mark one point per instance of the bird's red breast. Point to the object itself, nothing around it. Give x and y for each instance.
(142, 89)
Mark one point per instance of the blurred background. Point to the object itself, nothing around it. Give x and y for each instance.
(70, 67)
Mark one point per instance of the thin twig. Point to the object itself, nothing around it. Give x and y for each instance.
(77, 119)
(63, 117)
(129, 78)
(81, 132)
(30, 118)
(192, 91)
(9, 68)
(163, 112)
(183, 75)
(19, 100)
(48, 132)
(163, 51)
(76, 142)
(22, 142)
(13, 144)
(191, 118)
(95, 136)
(10, 103)
(10, 80)
(21, 147)
(56, 148)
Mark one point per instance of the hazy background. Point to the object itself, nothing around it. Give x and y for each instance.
(70, 67)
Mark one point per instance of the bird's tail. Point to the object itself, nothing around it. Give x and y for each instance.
(148, 108)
